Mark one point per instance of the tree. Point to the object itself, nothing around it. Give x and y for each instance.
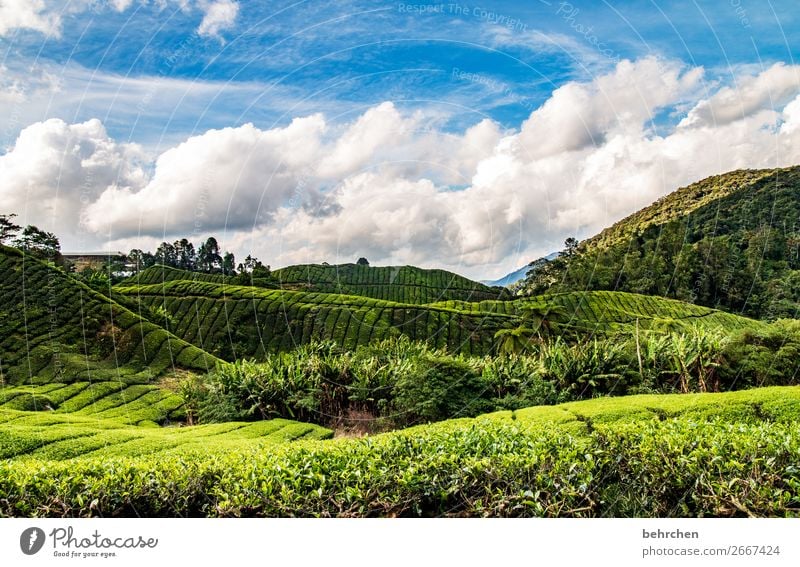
(513, 341)
(185, 255)
(362, 262)
(139, 260)
(39, 242)
(251, 265)
(165, 254)
(228, 264)
(540, 318)
(8, 230)
(570, 248)
(208, 258)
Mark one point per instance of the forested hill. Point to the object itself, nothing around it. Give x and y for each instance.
(730, 241)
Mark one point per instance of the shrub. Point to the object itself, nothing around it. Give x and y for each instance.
(439, 387)
(764, 356)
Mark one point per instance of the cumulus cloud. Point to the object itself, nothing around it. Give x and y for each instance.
(28, 15)
(579, 115)
(390, 185)
(55, 170)
(769, 90)
(218, 16)
(231, 177)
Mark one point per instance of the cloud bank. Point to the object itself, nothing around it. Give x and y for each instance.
(388, 184)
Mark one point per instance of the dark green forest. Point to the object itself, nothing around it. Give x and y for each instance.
(729, 242)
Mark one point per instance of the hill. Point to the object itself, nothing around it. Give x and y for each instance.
(730, 241)
(55, 329)
(242, 321)
(403, 284)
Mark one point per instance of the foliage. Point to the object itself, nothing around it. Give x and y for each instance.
(397, 382)
(765, 356)
(236, 322)
(8, 228)
(404, 284)
(39, 243)
(727, 242)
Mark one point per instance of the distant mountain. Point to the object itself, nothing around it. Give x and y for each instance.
(730, 241)
(517, 275)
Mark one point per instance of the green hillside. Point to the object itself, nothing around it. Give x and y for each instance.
(55, 329)
(59, 437)
(731, 241)
(243, 321)
(239, 321)
(160, 274)
(403, 284)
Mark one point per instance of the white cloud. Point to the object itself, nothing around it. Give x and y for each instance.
(45, 16)
(768, 90)
(54, 170)
(579, 115)
(121, 5)
(378, 128)
(231, 177)
(28, 15)
(218, 16)
(391, 186)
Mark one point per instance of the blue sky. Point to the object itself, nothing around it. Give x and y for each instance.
(340, 57)
(158, 73)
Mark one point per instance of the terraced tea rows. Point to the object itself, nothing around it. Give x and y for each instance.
(608, 310)
(56, 437)
(54, 328)
(141, 404)
(632, 456)
(160, 274)
(401, 284)
(237, 321)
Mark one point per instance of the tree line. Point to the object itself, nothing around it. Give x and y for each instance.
(31, 239)
(207, 257)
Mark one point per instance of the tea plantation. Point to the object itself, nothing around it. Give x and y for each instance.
(242, 321)
(93, 420)
(53, 328)
(402, 284)
(733, 454)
